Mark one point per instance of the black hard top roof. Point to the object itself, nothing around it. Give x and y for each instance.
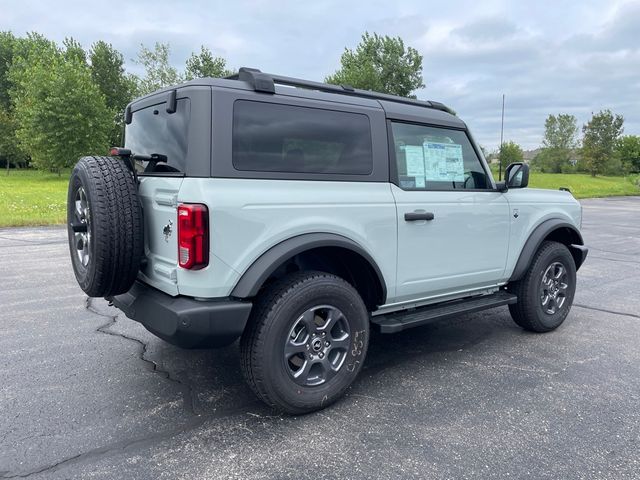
(395, 107)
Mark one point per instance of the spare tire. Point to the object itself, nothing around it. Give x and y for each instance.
(104, 224)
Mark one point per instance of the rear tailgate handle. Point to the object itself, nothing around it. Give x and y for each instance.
(415, 216)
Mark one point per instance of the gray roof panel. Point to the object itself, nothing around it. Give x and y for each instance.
(417, 114)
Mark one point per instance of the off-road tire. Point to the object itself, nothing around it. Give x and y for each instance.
(529, 312)
(274, 315)
(113, 222)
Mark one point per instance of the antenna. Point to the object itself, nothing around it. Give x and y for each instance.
(501, 140)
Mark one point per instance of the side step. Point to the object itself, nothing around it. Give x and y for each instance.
(398, 321)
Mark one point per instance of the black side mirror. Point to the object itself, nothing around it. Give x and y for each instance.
(517, 175)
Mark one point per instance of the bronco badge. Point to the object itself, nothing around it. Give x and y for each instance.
(167, 231)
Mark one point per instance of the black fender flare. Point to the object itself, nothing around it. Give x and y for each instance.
(255, 276)
(578, 251)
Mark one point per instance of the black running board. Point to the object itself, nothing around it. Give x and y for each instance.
(398, 321)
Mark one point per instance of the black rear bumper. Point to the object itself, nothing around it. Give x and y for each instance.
(184, 321)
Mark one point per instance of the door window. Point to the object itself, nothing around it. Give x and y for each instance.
(433, 158)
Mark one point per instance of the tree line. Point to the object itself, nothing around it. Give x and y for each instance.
(60, 102)
(602, 149)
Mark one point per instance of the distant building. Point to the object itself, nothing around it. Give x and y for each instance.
(530, 154)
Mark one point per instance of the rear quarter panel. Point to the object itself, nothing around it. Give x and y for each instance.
(249, 216)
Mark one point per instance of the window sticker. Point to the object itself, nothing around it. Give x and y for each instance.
(414, 156)
(443, 162)
(407, 182)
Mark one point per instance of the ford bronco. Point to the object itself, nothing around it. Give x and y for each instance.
(297, 216)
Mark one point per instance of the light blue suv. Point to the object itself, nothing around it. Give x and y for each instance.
(297, 216)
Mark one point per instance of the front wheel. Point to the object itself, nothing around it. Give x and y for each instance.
(305, 342)
(545, 293)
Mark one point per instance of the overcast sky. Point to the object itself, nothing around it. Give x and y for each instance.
(546, 56)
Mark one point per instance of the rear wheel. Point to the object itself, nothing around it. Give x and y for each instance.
(306, 341)
(104, 224)
(545, 293)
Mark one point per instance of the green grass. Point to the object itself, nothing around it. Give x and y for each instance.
(586, 186)
(29, 197)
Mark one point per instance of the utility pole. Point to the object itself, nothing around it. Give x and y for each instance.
(501, 140)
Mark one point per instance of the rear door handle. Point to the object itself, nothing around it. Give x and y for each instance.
(415, 216)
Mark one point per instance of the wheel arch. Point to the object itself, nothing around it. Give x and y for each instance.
(553, 229)
(317, 251)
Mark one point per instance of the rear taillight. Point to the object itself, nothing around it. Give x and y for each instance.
(193, 236)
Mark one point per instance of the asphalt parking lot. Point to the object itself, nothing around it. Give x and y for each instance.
(87, 393)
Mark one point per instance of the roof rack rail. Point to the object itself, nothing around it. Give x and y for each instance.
(265, 82)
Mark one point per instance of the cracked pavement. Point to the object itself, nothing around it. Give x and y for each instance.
(87, 393)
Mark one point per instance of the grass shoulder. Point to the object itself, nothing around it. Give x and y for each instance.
(31, 197)
(583, 185)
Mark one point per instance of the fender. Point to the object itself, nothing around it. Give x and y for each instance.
(253, 278)
(575, 245)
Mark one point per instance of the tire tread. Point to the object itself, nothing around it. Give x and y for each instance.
(524, 312)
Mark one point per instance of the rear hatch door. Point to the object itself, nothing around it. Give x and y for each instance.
(167, 129)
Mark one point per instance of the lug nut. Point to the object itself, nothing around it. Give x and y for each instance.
(326, 344)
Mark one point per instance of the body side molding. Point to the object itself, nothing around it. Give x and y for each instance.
(253, 278)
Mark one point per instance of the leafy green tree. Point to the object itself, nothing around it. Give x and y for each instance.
(10, 152)
(118, 88)
(382, 64)
(510, 153)
(10, 47)
(59, 111)
(204, 64)
(7, 48)
(559, 142)
(74, 51)
(158, 71)
(627, 149)
(600, 136)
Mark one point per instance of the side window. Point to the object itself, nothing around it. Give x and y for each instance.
(431, 158)
(270, 137)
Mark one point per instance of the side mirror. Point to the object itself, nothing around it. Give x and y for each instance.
(517, 175)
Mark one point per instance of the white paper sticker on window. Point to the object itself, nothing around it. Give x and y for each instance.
(443, 162)
(415, 161)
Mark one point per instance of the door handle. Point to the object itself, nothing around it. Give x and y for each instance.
(415, 216)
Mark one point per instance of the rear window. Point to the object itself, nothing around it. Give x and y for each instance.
(270, 137)
(153, 130)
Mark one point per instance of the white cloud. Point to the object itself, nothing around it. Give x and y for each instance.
(546, 56)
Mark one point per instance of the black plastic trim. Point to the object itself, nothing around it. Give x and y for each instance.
(416, 216)
(172, 102)
(265, 82)
(579, 253)
(184, 321)
(255, 276)
(398, 321)
(535, 240)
